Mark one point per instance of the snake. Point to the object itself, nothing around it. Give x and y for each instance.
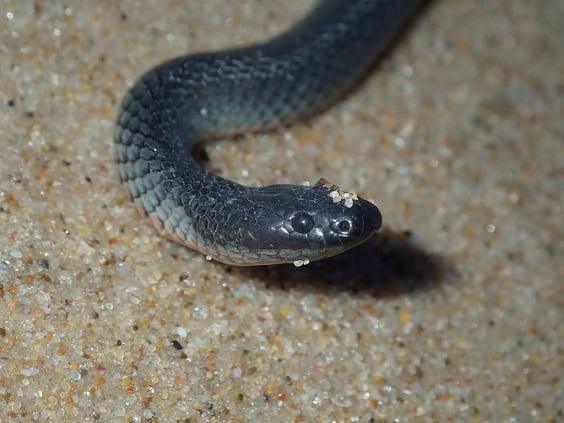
(194, 98)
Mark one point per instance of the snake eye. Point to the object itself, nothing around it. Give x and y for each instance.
(344, 226)
(302, 222)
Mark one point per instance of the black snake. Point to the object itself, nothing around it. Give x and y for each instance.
(193, 98)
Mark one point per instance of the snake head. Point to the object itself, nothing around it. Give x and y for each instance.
(298, 224)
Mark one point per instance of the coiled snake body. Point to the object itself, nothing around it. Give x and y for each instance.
(193, 98)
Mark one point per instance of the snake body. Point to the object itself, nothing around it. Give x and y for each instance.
(197, 97)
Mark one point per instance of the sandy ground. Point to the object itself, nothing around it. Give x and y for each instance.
(453, 313)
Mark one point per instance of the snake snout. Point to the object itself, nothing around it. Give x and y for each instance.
(356, 224)
(372, 217)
